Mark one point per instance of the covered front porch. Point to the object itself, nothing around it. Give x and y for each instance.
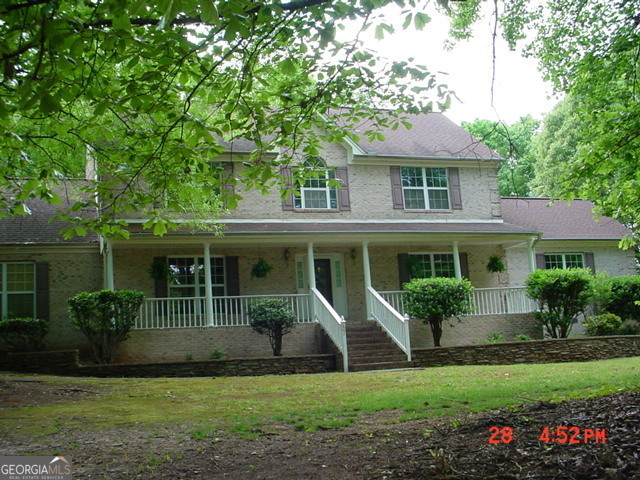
(329, 279)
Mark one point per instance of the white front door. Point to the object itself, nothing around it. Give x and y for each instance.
(330, 279)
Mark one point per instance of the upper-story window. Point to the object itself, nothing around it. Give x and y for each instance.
(425, 188)
(563, 260)
(318, 191)
(17, 290)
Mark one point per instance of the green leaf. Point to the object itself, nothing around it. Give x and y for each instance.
(210, 13)
(49, 104)
(420, 20)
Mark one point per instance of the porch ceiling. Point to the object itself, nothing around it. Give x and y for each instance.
(344, 233)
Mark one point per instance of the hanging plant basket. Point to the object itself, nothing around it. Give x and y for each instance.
(495, 264)
(159, 270)
(260, 269)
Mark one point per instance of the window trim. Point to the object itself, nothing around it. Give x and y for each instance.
(564, 259)
(196, 285)
(425, 189)
(4, 292)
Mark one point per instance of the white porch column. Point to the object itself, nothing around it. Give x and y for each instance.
(311, 266)
(367, 276)
(532, 254)
(456, 260)
(109, 282)
(208, 294)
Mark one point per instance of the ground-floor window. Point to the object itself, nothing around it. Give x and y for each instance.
(17, 290)
(563, 260)
(186, 276)
(426, 265)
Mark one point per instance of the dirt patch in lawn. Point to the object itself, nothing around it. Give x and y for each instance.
(373, 448)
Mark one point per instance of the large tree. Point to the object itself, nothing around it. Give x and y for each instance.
(589, 50)
(152, 89)
(513, 143)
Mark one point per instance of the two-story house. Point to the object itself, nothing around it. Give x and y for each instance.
(424, 202)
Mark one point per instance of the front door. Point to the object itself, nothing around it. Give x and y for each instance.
(323, 278)
(330, 279)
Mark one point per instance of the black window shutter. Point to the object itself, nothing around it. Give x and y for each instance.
(589, 261)
(540, 264)
(464, 264)
(287, 201)
(160, 286)
(232, 276)
(454, 188)
(42, 290)
(403, 268)
(396, 187)
(342, 174)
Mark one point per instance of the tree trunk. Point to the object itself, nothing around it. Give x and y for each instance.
(435, 322)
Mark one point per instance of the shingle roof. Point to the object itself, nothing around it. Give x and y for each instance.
(37, 227)
(560, 220)
(432, 135)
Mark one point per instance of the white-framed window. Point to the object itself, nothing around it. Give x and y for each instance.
(317, 192)
(425, 188)
(563, 260)
(186, 277)
(427, 265)
(17, 289)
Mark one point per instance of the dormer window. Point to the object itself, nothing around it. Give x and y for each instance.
(317, 192)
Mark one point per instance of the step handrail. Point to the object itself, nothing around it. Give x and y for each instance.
(396, 326)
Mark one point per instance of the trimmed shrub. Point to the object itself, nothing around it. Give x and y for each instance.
(23, 334)
(600, 325)
(433, 300)
(629, 327)
(106, 317)
(625, 292)
(561, 295)
(272, 317)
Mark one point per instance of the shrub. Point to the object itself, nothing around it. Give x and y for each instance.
(629, 327)
(272, 317)
(106, 317)
(494, 337)
(521, 337)
(23, 334)
(625, 292)
(562, 295)
(600, 325)
(433, 300)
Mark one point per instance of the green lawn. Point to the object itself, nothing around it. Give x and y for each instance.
(245, 405)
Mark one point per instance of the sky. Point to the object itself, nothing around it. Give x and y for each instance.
(519, 89)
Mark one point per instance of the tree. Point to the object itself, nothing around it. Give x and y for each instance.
(513, 143)
(588, 49)
(154, 91)
(106, 318)
(561, 295)
(272, 317)
(434, 300)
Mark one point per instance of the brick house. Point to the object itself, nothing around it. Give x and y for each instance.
(424, 202)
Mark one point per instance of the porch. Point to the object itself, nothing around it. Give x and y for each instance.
(331, 282)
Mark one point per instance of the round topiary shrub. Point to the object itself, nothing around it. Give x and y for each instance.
(273, 317)
(600, 325)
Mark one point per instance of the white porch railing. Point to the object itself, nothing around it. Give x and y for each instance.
(486, 301)
(390, 320)
(227, 311)
(333, 324)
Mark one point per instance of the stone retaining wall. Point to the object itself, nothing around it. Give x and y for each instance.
(541, 351)
(66, 363)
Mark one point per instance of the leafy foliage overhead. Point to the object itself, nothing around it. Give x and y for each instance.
(152, 91)
(589, 50)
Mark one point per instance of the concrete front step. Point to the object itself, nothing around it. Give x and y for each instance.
(371, 349)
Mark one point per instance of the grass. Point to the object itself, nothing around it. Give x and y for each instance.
(246, 406)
